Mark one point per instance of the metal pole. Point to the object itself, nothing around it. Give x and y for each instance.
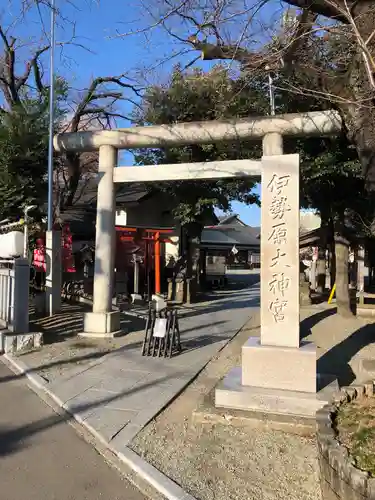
(272, 94)
(26, 238)
(51, 117)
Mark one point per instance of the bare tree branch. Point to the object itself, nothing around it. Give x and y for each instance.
(332, 9)
(93, 94)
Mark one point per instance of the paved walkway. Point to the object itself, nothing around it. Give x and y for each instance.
(42, 457)
(123, 391)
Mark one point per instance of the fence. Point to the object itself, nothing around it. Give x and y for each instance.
(14, 295)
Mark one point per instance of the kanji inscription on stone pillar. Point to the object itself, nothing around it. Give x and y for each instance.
(280, 251)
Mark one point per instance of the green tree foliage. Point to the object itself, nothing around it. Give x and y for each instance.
(24, 151)
(23, 162)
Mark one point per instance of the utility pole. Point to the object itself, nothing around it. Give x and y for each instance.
(53, 238)
(51, 116)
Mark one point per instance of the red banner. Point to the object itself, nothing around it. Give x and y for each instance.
(67, 256)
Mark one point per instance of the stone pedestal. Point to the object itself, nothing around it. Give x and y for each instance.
(16, 343)
(177, 290)
(105, 324)
(285, 368)
(278, 373)
(231, 393)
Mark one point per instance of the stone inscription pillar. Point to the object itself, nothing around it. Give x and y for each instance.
(278, 360)
(280, 251)
(278, 372)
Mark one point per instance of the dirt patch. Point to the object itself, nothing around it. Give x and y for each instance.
(226, 462)
(356, 429)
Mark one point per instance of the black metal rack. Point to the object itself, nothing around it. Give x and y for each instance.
(168, 344)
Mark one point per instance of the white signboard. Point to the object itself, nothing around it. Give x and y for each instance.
(234, 250)
(160, 329)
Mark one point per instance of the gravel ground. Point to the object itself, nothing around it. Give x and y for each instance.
(226, 462)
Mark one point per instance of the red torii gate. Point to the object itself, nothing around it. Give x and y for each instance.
(154, 235)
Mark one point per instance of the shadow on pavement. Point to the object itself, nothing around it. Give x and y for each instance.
(14, 439)
(308, 323)
(336, 360)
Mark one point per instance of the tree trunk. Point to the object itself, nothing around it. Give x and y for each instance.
(342, 276)
(333, 264)
(195, 257)
(194, 232)
(321, 261)
(321, 270)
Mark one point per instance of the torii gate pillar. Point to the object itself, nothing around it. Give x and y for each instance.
(102, 321)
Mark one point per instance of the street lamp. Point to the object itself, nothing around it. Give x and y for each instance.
(26, 230)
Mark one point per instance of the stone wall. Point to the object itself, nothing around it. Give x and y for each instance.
(340, 479)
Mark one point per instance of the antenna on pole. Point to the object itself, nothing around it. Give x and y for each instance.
(288, 22)
(271, 90)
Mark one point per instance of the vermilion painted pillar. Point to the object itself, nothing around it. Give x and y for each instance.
(157, 262)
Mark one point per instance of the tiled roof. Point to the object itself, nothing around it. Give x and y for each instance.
(231, 235)
(125, 193)
(82, 214)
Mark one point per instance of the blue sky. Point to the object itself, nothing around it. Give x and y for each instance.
(96, 26)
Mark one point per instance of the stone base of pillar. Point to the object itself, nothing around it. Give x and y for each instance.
(274, 367)
(106, 324)
(230, 393)
(276, 380)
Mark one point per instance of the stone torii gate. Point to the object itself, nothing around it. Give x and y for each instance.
(279, 361)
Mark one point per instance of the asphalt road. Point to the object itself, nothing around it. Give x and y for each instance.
(43, 458)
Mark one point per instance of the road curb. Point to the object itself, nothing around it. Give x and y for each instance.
(147, 472)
